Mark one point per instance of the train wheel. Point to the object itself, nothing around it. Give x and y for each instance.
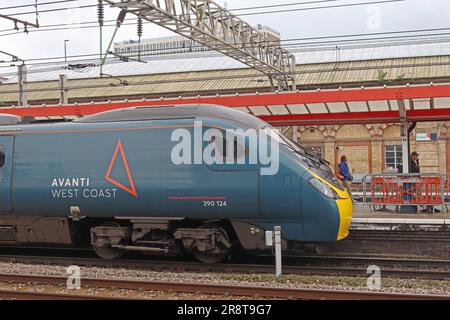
(107, 252)
(220, 252)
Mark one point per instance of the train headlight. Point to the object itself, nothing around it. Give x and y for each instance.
(323, 188)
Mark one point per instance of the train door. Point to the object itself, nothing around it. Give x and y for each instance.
(238, 179)
(6, 163)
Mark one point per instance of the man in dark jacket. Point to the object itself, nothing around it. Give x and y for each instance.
(414, 168)
(414, 163)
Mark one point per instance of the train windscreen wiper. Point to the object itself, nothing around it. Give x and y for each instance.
(304, 153)
(311, 157)
(322, 161)
(294, 146)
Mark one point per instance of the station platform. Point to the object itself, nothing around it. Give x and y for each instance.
(389, 232)
(365, 218)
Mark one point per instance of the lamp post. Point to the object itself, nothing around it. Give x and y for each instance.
(65, 50)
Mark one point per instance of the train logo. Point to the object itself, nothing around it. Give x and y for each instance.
(132, 188)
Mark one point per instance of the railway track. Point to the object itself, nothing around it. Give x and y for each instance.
(320, 266)
(374, 260)
(198, 288)
(353, 259)
(26, 295)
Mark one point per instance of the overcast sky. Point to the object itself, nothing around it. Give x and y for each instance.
(407, 15)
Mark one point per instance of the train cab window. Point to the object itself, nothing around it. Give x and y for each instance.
(226, 145)
(2, 157)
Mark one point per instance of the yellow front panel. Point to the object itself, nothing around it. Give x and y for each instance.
(345, 207)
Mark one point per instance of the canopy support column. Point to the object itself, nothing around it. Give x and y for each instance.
(405, 135)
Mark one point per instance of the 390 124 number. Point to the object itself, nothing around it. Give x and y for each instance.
(214, 203)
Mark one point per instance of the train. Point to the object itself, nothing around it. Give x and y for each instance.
(169, 180)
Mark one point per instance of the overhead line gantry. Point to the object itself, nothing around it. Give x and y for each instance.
(213, 26)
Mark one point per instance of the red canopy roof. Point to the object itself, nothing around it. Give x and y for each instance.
(342, 106)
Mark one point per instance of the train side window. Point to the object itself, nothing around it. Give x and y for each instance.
(239, 149)
(2, 157)
(220, 148)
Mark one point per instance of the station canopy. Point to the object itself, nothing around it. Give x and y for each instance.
(430, 102)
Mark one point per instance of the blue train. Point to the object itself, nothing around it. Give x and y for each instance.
(161, 180)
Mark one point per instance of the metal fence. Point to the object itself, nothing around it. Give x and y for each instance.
(406, 190)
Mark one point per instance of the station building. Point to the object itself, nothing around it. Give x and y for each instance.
(376, 148)
(372, 148)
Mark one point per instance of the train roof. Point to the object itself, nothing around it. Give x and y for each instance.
(9, 119)
(175, 112)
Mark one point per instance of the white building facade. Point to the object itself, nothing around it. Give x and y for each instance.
(174, 45)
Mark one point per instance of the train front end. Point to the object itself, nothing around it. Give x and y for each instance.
(327, 209)
(326, 206)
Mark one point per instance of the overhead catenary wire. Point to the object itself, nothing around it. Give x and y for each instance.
(324, 7)
(373, 2)
(114, 60)
(342, 38)
(237, 9)
(80, 26)
(303, 43)
(296, 47)
(65, 1)
(241, 9)
(53, 10)
(282, 5)
(246, 77)
(342, 5)
(130, 19)
(39, 4)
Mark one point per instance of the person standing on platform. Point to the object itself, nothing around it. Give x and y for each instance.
(414, 163)
(344, 174)
(415, 169)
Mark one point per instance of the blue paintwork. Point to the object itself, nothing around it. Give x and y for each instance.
(76, 150)
(6, 145)
(322, 219)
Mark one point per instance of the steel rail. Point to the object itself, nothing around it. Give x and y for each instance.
(27, 295)
(333, 266)
(221, 289)
(380, 261)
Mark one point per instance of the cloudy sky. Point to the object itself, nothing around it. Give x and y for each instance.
(386, 17)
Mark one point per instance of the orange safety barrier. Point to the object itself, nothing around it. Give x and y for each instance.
(446, 189)
(408, 190)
